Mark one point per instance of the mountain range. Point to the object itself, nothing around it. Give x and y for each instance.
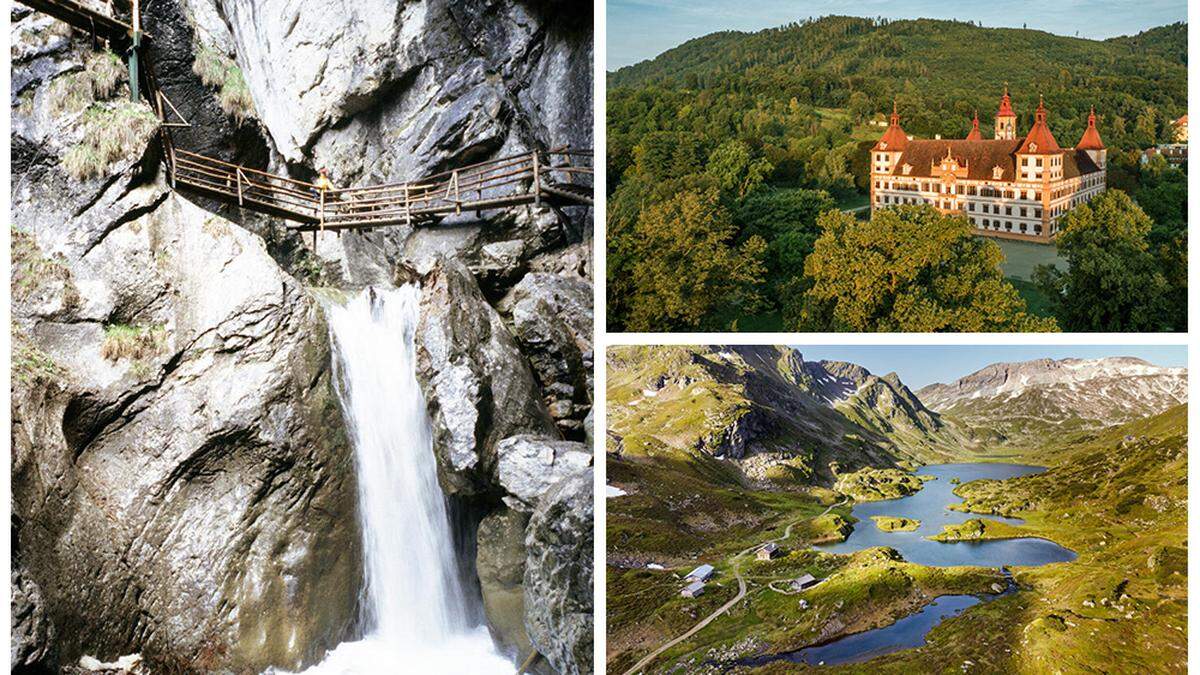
(1019, 405)
(779, 417)
(767, 408)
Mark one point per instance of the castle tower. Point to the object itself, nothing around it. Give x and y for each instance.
(1039, 159)
(1006, 119)
(1091, 143)
(974, 134)
(886, 152)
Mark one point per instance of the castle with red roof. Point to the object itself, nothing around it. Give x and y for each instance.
(1009, 186)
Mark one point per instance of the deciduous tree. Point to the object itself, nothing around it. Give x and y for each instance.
(908, 269)
(686, 267)
(1113, 281)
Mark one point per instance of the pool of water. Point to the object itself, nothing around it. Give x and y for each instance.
(906, 633)
(929, 506)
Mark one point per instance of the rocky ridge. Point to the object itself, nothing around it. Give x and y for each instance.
(1017, 403)
(775, 414)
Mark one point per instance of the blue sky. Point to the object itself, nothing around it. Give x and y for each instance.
(642, 29)
(919, 365)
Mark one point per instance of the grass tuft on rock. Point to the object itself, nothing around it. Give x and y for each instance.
(112, 132)
(106, 73)
(100, 79)
(220, 72)
(132, 342)
(30, 268)
(69, 94)
(30, 364)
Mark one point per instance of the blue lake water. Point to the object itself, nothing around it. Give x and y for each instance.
(906, 633)
(929, 506)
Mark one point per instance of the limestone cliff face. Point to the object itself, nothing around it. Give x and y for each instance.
(182, 484)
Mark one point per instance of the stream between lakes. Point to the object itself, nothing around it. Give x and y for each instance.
(928, 506)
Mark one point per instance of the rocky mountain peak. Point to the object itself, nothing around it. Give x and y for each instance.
(1021, 402)
(1011, 379)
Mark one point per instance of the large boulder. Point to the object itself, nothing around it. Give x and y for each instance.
(559, 576)
(182, 484)
(530, 465)
(552, 319)
(500, 563)
(478, 385)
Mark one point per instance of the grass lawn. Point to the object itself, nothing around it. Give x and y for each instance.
(853, 200)
(1033, 296)
(1020, 257)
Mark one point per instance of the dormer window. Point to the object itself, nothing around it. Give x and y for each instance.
(1033, 147)
(907, 168)
(882, 145)
(997, 173)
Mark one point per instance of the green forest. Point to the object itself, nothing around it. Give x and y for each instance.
(730, 158)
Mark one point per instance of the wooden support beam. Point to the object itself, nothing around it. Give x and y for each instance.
(537, 181)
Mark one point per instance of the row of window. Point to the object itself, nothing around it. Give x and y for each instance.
(890, 200)
(965, 190)
(1006, 226)
(1008, 210)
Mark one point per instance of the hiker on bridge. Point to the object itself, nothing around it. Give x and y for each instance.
(323, 185)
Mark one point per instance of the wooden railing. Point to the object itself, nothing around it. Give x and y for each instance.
(83, 17)
(561, 177)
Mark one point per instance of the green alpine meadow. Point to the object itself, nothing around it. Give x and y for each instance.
(773, 513)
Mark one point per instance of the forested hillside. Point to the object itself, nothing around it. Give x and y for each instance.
(939, 71)
(723, 152)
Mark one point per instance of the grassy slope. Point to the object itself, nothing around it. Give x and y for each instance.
(681, 509)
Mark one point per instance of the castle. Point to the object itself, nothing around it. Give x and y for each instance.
(1011, 186)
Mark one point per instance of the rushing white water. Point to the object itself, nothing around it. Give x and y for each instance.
(416, 613)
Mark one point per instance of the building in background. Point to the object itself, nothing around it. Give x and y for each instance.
(1010, 186)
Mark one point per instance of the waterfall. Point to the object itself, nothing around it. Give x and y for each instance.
(417, 616)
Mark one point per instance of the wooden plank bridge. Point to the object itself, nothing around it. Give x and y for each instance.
(86, 18)
(557, 177)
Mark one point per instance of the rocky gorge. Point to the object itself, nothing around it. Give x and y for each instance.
(183, 480)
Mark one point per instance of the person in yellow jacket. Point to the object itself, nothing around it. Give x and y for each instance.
(323, 184)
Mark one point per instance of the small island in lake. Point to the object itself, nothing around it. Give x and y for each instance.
(891, 524)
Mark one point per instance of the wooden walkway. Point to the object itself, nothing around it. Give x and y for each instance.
(84, 18)
(558, 177)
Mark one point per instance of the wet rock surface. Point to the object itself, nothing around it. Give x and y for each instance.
(559, 575)
(32, 637)
(500, 561)
(181, 475)
(478, 385)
